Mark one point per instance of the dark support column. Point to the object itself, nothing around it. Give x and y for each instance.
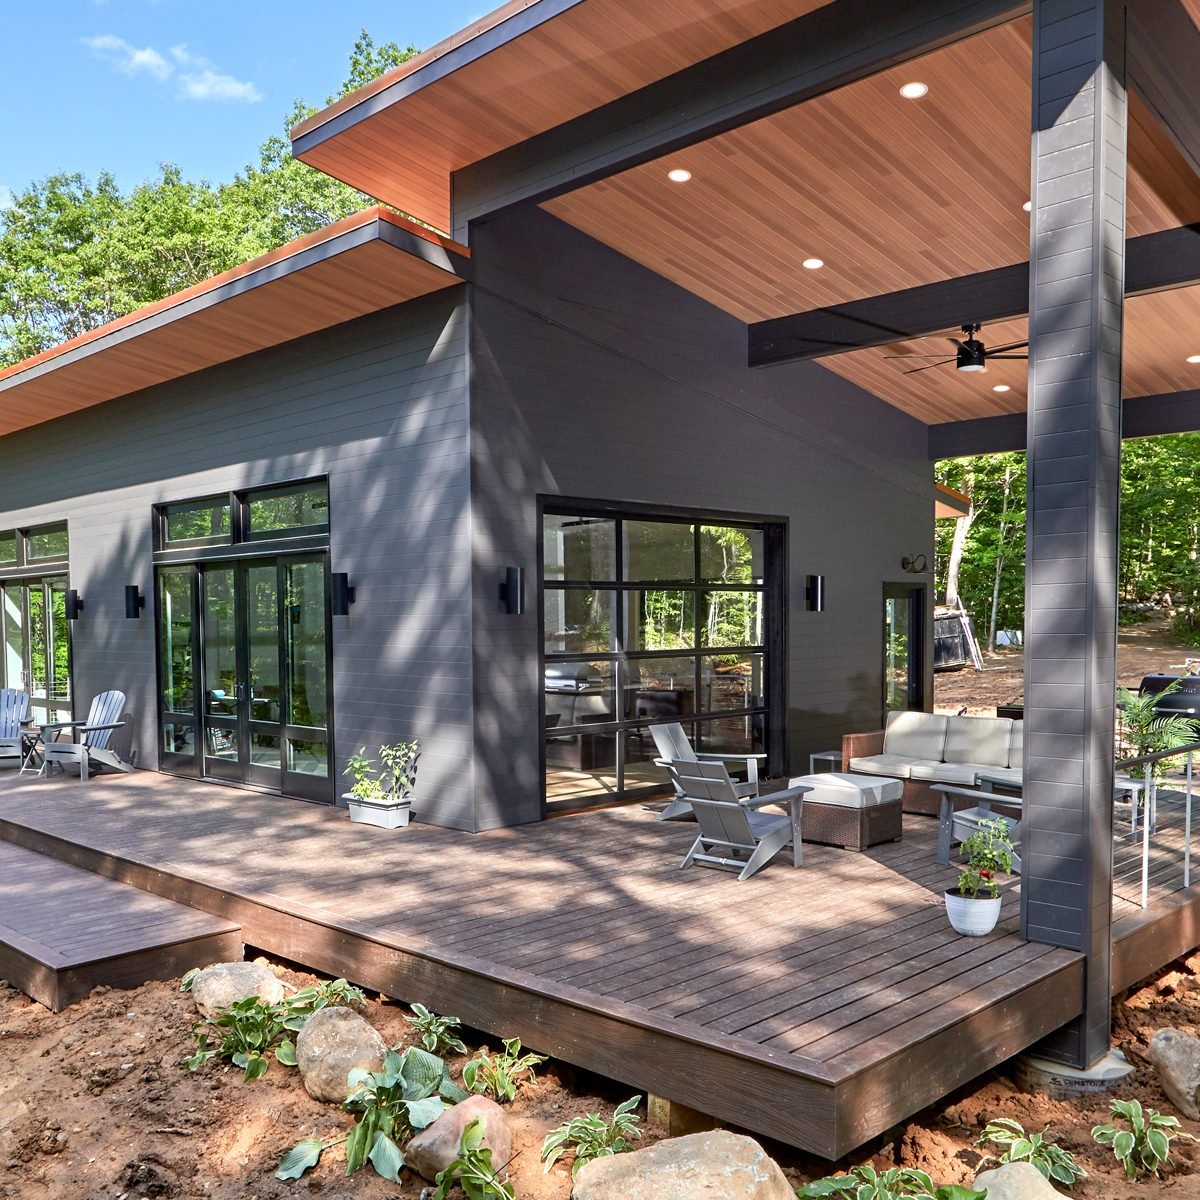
(1076, 311)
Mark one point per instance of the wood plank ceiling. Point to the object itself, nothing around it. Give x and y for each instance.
(589, 55)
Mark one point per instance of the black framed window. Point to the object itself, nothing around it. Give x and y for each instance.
(34, 547)
(648, 619)
(205, 522)
(281, 512)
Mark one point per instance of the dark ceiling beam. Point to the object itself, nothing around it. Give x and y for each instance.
(1141, 416)
(841, 42)
(1163, 59)
(1153, 263)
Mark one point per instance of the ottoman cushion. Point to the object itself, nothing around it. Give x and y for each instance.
(849, 791)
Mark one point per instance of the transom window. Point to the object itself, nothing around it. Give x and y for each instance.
(286, 511)
(34, 546)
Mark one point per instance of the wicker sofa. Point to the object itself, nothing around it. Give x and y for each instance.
(927, 748)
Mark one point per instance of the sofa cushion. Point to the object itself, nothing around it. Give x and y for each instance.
(959, 774)
(895, 765)
(849, 791)
(1016, 746)
(978, 740)
(916, 735)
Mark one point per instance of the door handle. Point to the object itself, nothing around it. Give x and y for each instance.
(241, 693)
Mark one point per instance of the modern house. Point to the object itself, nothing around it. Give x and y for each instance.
(628, 440)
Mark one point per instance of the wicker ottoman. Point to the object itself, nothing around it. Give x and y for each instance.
(851, 811)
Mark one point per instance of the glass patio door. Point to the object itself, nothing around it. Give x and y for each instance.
(903, 648)
(37, 645)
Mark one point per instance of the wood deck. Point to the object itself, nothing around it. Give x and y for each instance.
(817, 1006)
(64, 930)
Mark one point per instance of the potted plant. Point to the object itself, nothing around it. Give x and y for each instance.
(973, 906)
(1144, 731)
(383, 797)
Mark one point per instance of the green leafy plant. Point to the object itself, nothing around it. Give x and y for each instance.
(1146, 1145)
(327, 993)
(591, 1136)
(185, 984)
(472, 1170)
(435, 1031)
(408, 1094)
(394, 782)
(1055, 1163)
(988, 851)
(500, 1075)
(865, 1183)
(1142, 731)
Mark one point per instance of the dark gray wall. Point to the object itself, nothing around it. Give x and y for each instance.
(380, 405)
(595, 378)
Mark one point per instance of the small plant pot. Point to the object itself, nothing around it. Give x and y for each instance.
(973, 916)
(379, 813)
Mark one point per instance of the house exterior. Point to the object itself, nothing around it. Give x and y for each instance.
(622, 444)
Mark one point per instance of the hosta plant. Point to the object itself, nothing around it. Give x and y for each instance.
(473, 1170)
(1145, 1146)
(436, 1033)
(896, 1183)
(1055, 1163)
(592, 1136)
(499, 1075)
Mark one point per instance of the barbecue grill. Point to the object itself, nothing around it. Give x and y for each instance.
(1183, 702)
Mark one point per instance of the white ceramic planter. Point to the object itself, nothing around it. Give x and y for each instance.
(377, 813)
(972, 917)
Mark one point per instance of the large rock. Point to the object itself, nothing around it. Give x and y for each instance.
(1016, 1181)
(702, 1166)
(1176, 1058)
(223, 984)
(332, 1043)
(435, 1148)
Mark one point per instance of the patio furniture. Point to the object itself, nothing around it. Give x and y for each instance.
(732, 832)
(956, 825)
(851, 811)
(926, 749)
(673, 746)
(90, 740)
(833, 757)
(14, 708)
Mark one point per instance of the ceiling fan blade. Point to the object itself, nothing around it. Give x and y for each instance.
(944, 356)
(916, 370)
(1008, 346)
(992, 356)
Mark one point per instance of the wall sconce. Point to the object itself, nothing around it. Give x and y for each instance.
(134, 602)
(343, 594)
(814, 593)
(74, 604)
(512, 591)
(915, 564)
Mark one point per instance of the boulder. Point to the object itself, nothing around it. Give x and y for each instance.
(1176, 1058)
(223, 984)
(1016, 1181)
(435, 1148)
(332, 1043)
(702, 1166)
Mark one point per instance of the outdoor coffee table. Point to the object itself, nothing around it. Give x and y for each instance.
(854, 812)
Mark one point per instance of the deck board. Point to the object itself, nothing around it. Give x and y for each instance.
(817, 1005)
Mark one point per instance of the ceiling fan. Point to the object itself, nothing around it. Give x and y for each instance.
(969, 355)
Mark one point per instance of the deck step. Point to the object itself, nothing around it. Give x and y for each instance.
(64, 931)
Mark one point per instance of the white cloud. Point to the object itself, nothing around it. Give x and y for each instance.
(127, 59)
(199, 78)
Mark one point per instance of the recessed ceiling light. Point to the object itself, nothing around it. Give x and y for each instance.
(679, 175)
(1002, 387)
(815, 264)
(1194, 358)
(1028, 206)
(914, 90)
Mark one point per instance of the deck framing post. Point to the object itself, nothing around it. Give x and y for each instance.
(1076, 310)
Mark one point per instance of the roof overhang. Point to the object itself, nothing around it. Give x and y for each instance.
(950, 503)
(367, 262)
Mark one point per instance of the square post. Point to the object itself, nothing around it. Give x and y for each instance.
(1077, 289)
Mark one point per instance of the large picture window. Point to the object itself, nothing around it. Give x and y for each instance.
(646, 620)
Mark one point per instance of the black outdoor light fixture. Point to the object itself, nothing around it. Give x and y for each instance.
(343, 594)
(74, 604)
(814, 593)
(134, 602)
(915, 564)
(512, 590)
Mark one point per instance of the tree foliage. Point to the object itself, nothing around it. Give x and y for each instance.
(75, 254)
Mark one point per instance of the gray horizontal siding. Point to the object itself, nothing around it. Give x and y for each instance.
(380, 406)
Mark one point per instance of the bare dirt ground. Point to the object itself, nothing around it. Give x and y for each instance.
(95, 1105)
(1141, 650)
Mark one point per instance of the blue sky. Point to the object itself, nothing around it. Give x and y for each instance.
(123, 85)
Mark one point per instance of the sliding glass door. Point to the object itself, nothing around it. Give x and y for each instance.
(37, 645)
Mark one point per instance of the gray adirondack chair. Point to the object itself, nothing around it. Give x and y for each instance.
(956, 826)
(673, 746)
(14, 708)
(732, 832)
(90, 742)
